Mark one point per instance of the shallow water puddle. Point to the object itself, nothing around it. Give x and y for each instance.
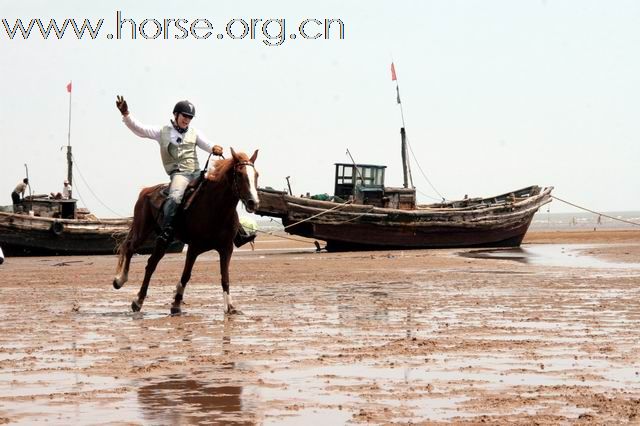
(561, 255)
(178, 399)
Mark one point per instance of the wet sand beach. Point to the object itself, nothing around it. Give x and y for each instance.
(545, 334)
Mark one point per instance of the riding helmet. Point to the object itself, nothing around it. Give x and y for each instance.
(185, 108)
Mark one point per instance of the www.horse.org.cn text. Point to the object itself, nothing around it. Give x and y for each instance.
(270, 31)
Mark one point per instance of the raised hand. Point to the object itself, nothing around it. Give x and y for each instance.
(121, 104)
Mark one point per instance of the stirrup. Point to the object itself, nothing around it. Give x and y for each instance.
(241, 240)
(165, 237)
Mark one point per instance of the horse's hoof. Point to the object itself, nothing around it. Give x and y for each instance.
(234, 311)
(135, 307)
(175, 310)
(116, 284)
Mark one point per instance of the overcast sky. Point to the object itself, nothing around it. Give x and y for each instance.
(497, 95)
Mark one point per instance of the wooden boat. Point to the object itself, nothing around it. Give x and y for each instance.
(363, 214)
(500, 221)
(53, 227)
(44, 225)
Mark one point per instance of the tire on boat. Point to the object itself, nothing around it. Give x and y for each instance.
(57, 228)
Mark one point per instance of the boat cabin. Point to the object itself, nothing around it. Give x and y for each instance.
(42, 206)
(364, 184)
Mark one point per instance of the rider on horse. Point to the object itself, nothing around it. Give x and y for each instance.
(178, 152)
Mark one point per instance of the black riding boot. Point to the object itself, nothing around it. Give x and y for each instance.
(243, 237)
(169, 209)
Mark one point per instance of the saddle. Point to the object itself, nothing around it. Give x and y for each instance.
(158, 195)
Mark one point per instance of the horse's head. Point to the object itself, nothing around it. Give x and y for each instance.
(245, 179)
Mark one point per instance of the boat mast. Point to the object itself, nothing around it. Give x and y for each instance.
(405, 161)
(406, 168)
(26, 170)
(69, 156)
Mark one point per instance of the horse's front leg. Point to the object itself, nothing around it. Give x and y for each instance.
(192, 254)
(225, 260)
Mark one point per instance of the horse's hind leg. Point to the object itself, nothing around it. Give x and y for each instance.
(184, 279)
(225, 259)
(140, 230)
(122, 273)
(128, 248)
(158, 253)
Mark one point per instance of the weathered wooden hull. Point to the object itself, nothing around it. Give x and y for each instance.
(500, 221)
(23, 235)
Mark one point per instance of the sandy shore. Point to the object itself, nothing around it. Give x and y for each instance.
(547, 335)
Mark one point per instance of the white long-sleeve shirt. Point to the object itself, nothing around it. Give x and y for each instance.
(152, 132)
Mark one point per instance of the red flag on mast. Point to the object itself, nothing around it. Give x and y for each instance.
(393, 72)
(69, 87)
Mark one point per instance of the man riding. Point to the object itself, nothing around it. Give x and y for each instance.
(178, 144)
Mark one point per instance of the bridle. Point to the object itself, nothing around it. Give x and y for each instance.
(236, 191)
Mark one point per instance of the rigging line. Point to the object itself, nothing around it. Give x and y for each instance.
(319, 214)
(75, 163)
(75, 192)
(283, 236)
(428, 196)
(422, 171)
(594, 212)
(357, 217)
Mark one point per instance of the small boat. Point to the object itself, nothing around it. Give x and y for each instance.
(363, 214)
(46, 227)
(49, 225)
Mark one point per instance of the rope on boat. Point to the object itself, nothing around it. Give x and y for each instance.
(283, 237)
(424, 175)
(319, 214)
(304, 220)
(594, 212)
(357, 217)
(75, 189)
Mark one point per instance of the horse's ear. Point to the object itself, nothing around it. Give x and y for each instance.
(253, 157)
(234, 155)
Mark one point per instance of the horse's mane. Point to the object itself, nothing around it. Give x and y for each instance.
(221, 168)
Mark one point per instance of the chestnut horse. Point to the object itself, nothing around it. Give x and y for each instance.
(210, 222)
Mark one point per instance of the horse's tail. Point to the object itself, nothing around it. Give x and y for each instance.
(139, 229)
(121, 247)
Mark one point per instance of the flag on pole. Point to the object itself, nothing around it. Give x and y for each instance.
(395, 78)
(69, 87)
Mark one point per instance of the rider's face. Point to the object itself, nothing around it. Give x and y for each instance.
(183, 121)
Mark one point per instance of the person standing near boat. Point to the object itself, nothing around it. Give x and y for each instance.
(66, 190)
(18, 193)
(178, 143)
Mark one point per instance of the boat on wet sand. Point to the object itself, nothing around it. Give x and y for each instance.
(364, 214)
(45, 227)
(499, 221)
